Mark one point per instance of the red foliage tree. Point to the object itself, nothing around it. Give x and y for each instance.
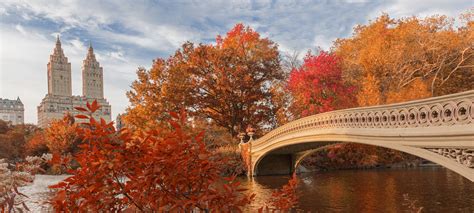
(317, 86)
(159, 170)
(37, 145)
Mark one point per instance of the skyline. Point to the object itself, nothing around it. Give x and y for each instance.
(156, 29)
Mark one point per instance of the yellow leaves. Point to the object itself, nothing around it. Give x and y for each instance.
(416, 90)
(395, 53)
(60, 135)
(370, 92)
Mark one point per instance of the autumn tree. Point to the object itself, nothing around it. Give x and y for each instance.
(369, 92)
(13, 139)
(61, 137)
(229, 82)
(118, 167)
(5, 127)
(408, 58)
(235, 79)
(354, 156)
(317, 86)
(164, 88)
(36, 144)
(416, 90)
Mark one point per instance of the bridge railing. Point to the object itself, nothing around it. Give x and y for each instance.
(454, 109)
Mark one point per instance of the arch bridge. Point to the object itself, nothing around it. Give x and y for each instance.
(438, 129)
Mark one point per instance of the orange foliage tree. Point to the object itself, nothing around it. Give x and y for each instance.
(233, 87)
(409, 58)
(61, 137)
(13, 139)
(36, 145)
(163, 88)
(369, 93)
(229, 83)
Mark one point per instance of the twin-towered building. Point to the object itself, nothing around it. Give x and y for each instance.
(60, 100)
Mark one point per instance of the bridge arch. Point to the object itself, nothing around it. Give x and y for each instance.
(439, 129)
(294, 158)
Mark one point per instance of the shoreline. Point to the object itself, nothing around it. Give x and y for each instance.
(302, 169)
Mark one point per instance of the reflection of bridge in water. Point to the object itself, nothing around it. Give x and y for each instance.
(439, 129)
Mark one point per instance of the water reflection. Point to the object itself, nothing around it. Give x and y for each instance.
(435, 189)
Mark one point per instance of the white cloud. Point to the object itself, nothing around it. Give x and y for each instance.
(20, 29)
(3, 11)
(76, 46)
(164, 26)
(132, 33)
(406, 8)
(150, 33)
(323, 42)
(118, 55)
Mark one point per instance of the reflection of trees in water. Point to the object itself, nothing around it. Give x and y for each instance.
(263, 187)
(378, 190)
(353, 155)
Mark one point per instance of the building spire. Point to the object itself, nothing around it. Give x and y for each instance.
(92, 76)
(58, 51)
(90, 53)
(91, 50)
(58, 42)
(59, 72)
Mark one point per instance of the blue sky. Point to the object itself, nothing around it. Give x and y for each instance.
(129, 34)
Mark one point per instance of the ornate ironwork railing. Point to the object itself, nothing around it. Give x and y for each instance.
(454, 109)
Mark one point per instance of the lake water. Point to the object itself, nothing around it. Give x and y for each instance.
(434, 188)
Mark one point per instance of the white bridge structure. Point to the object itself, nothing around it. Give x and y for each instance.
(438, 129)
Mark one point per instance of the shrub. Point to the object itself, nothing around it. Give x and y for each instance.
(36, 145)
(162, 169)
